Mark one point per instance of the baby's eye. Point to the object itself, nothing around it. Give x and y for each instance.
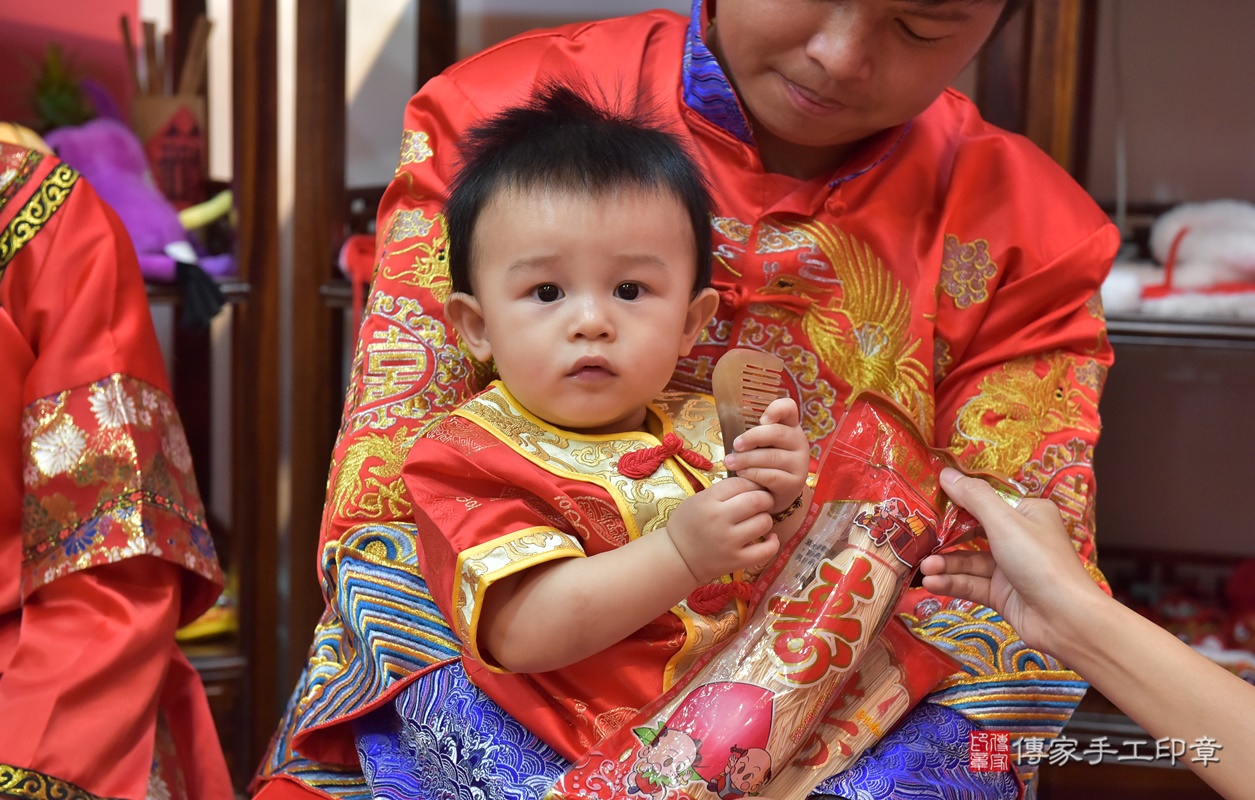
(627, 291)
(547, 293)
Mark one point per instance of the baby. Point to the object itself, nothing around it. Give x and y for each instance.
(567, 513)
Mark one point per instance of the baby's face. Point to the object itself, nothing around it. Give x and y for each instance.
(586, 301)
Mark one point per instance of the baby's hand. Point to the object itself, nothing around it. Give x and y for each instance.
(774, 454)
(721, 529)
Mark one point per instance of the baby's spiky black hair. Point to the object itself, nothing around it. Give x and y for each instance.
(561, 140)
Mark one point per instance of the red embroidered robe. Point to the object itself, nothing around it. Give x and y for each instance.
(103, 549)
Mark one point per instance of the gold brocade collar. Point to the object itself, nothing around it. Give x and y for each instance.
(643, 503)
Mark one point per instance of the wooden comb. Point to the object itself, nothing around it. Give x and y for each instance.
(745, 382)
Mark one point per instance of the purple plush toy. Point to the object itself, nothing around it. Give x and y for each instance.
(109, 155)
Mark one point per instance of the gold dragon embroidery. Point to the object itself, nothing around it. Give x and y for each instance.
(1014, 411)
(429, 267)
(377, 490)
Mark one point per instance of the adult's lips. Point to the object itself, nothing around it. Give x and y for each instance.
(811, 99)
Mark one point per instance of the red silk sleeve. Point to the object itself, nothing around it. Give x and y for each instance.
(77, 698)
(106, 468)
(1020, 373)
(464, 506)
(81, 302)
(101, 523)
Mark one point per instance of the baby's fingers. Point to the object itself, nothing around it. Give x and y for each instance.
(759, 460)
(781, 411)
(760, 552)
(773, 447)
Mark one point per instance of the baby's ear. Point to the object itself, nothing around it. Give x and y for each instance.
(464, 311)
(701, 308)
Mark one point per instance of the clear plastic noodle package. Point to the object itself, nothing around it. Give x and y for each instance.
(892, 676)
(765, 712)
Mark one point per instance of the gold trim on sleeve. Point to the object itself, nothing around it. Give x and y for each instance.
(483, 565)
(27, 784)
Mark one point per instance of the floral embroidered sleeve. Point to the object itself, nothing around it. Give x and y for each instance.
(104, 478)
(106, 470)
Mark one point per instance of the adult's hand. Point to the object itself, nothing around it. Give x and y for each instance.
(1035, 580)
(1033, 577)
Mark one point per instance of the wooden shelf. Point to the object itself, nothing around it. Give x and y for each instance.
(1097, 717)
(236, 291)
(223, 669)
(1111, 779)
(217, 658)
(1145, 329)
(337, 293)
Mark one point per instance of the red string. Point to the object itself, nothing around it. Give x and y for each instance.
(1169, 266)
(640, 464)
(737, 297)
(712, 597)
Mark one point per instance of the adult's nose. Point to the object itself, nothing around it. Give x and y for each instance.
(844, 44)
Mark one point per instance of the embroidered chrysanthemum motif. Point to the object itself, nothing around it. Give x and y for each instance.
(58, 449)
(174, 445)
(83, 537)
(112, 406)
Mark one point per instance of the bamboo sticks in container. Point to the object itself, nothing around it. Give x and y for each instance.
(169, 111)
(159, 77)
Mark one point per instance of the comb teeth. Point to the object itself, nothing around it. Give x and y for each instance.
(745, 382)
(759, 387)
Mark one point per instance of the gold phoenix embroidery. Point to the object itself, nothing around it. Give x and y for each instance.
(870, 350)
(373, 491)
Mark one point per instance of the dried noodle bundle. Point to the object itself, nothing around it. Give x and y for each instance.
(892, 677)
(745, 712)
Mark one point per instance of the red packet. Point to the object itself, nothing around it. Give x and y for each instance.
(172, 128)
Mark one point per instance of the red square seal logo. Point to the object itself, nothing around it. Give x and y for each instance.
(989, 751)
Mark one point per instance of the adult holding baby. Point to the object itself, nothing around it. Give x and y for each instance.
(869, 228)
